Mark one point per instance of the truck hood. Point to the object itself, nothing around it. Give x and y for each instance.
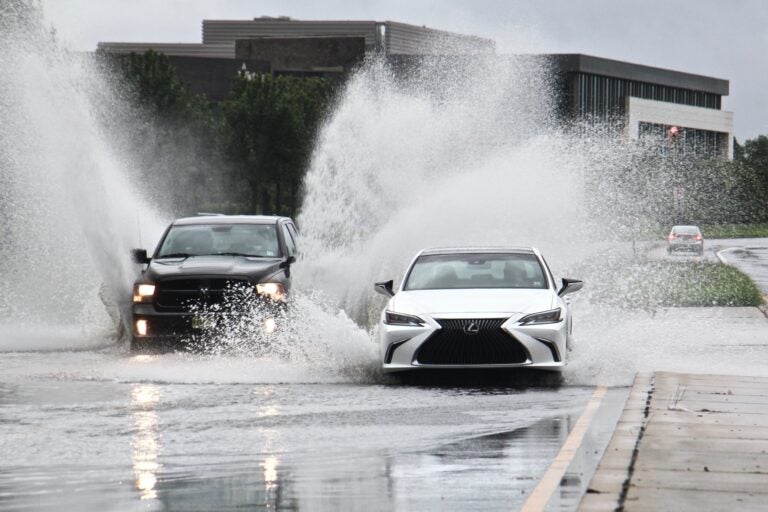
(254, 269)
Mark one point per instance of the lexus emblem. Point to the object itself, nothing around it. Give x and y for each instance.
(472, 328)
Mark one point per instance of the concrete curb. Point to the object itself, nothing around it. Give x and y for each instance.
(720, 256)
(698, 444)
(609, 485)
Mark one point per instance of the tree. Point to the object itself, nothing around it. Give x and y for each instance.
(268, 132)
(171, 132)
(756, 157)
(756, 152)
(247, 154)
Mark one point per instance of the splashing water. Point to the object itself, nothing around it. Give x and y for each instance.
(67, 205)
(407, 163)
(475, 155)
(307, 332)
(70, 213)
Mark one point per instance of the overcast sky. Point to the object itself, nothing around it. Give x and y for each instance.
(720, 38)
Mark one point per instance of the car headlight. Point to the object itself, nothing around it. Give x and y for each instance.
(545, 317)
(275, 291)
(391, 318)
(143, 292)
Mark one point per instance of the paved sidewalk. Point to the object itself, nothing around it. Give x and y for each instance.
(687, 442)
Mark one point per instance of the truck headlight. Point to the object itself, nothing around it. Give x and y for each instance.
(275, 291)
(143, 292)
(142, 327)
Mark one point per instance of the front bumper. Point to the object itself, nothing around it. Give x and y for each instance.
(540, 346)
(175, 328)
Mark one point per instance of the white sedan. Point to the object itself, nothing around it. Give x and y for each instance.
(476, 308)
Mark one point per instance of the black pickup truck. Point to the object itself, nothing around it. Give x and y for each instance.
(197, 260)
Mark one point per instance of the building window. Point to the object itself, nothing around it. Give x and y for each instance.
(683, 141)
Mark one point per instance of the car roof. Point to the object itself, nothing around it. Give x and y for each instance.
(480, 250)
(684, 227)
(229, 219)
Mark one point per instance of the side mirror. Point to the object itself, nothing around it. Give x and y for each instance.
(286, 265)
(384, 288)
(290, 260)
(140, 256)
(570, 286)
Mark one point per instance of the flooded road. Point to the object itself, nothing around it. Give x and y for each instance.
(107, 431)
(99, 429)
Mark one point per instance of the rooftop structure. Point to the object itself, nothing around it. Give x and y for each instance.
(641, 102)
(389, 37)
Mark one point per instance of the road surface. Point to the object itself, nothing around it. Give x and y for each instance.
(100, 429)
(104, 430)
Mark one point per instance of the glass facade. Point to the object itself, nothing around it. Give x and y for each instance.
(595, 102)
(603, 98)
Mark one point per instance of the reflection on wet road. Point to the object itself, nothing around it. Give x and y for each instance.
(145, 440)
(73, 443)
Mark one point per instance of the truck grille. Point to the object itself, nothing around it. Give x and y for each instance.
(184, 294)
(471, 341)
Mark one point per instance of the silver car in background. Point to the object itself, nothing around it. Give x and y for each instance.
(685, 238)
(476, 308)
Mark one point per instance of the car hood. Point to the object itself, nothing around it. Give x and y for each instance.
(446, 302)
(252, 268)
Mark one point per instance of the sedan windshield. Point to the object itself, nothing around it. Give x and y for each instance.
(457, 271)
(259, 240)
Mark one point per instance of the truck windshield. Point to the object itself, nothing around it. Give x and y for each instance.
(257, 240)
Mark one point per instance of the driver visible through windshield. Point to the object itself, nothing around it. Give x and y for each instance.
(255, 240)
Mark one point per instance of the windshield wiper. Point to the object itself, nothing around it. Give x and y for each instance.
(175, 255)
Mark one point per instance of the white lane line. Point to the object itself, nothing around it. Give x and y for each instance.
(551, 480)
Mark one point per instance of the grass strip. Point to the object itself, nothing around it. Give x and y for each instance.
(651, 284)
(758, 230)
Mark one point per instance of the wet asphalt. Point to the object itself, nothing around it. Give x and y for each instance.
(72, 439)
(99, 429)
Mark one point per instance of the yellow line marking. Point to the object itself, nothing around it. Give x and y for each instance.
(551, 480)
